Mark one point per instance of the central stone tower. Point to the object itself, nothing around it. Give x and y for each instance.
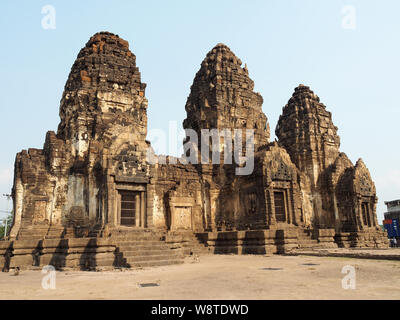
(222, 97)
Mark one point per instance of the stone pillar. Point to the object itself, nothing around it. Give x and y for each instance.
(270, 217)
(172, 217)
(137, 209)
(142, 209)
(213, 207)
(150, 203)
(373, 210)
(112, 207)
(118, 208)
(18, 207)
(92, 201)
(288, 211)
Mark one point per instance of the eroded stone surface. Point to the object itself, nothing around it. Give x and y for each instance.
(93, 178)
(222, 97)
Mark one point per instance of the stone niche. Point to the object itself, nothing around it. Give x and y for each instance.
(185, 215)
(39, 213)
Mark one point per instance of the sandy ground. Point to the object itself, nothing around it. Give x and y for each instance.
(219, 277)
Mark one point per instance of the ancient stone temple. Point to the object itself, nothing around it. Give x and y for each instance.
(91, 197)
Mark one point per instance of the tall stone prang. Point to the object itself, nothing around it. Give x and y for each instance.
(103, 89)
(100, 139)
(307, 132)
(91, 197)
(305, 129)
(343, 196)
(222, 97)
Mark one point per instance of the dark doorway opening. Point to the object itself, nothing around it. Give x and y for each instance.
(128, 208)
(365, 214)
(280, 210)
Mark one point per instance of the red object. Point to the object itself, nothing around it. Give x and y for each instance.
(389, 221)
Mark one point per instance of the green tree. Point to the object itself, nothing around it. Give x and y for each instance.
(3, 225)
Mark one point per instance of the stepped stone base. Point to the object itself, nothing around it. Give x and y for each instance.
(76, 253)
(362, 239)
(270, 241)
(138, 248)
(121, 249)
(191, 243)
(144, 248)
(325, 237)
(357, 253)
(33, 232)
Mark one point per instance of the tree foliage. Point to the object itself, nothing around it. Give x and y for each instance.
(3, 225)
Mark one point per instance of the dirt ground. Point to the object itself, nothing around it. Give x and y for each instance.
(218, 277)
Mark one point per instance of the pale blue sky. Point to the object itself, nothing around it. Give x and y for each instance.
(284, 43)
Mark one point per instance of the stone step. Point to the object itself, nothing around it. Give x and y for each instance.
(137, 234)
(307, 240)
(95, 234)
(307, 245)
(155, 263)
(55, 234)
(133, 253)
(311, 244)
(193, 245)
(33, 238)
(143, 247)
(302, 235)
(136, 239)
(103, 263)
(197, 246)
(32, 232)
(190, 251)
(205, 249)
(139, 243)
(30, 237)
(151, 258)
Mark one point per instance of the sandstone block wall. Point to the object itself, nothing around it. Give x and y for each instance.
(93, 177)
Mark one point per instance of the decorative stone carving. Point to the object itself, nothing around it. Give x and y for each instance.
(99, 154)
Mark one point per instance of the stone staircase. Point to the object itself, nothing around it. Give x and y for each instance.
(41, 232)
(371, 238)
(144, 248)
(33, 232)
(96, 232)
(305, 239)
(191, 243)
(55, 232)
(196, 247)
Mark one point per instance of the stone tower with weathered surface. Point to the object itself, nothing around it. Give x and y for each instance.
(222, 98)
(104, 120)
(305, 129)
(100, 140)
(340, 198)
(90, 197)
